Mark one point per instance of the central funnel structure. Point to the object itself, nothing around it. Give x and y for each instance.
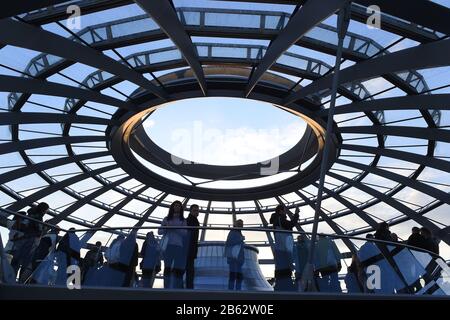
(212, 270)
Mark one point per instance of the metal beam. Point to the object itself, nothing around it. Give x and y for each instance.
(27, 201)
(413, 132)
(420, 12)
(266, 225)
(353, 208)
(333, 225)
(410, 213)
(41, 166)
(10, 118)
(413, 102)
(164, 14)
(423, 56)
(22, 6)
(414, 184)
(23, 35)
(401, 155)
(21, 145)
(150, 210)
(388, 23)
(88, 198)
(109, 214)
(306, 18)
(35, 86)
(205, 222)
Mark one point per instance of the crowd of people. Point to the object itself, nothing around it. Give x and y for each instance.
(36, 248)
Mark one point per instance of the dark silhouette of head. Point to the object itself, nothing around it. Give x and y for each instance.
(383, 226)
(415, 230)
(394, 237)
(280, 209)
(38, 211)
(194, 210)
(176, 209)
(98, 244)
(369, 236)
(238, 223)
(426, 233)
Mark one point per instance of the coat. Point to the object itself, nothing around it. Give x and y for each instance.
(176, 236)
(234, 238)
(192, 237)
(150, 255)
(283, 241)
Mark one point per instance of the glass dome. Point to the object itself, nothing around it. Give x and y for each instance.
(80, 109)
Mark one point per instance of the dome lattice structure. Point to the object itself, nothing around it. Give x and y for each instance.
(74, 102)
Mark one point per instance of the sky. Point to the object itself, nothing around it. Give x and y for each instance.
(224, 131)
(244, 129)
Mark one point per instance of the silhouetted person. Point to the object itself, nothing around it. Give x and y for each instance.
(283, 248)
(328, 263)
(113, 273)
(354, 279)
(234, 252)
(173, 246)
(370, 254)
(150, 264)
(383, 232)
(68, 254)
(394, 237)
(112, 253)
(15, 235)
(192, 243)
(415, 239)
(32, 231)
(301, 253)
(429, 243)
(47, 244)
(92, 259)
(128, 259)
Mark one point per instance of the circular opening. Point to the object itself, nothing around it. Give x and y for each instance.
(224, 131)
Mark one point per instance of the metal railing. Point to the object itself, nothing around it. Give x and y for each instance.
(395, 259)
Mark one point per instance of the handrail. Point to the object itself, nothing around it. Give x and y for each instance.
(251, 229)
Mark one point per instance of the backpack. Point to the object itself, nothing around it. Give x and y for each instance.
(113, 252)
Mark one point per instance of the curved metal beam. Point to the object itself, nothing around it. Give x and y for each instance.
(45, 142)
(414, 102)
(9, 118)
(91, 196)
(307, 17)
(401, 155)
(57, 186)
(150, 211)
(423, 56)
(410, 213)
(333, 225)
(23, 6)
(420, 12)
(34, 86)
(414, 184)
(358, 211)
(23, 35)
(88, 235)
(413, 132)
(164, 14)
(41, 166)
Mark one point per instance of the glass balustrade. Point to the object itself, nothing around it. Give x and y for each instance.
(139, 257)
